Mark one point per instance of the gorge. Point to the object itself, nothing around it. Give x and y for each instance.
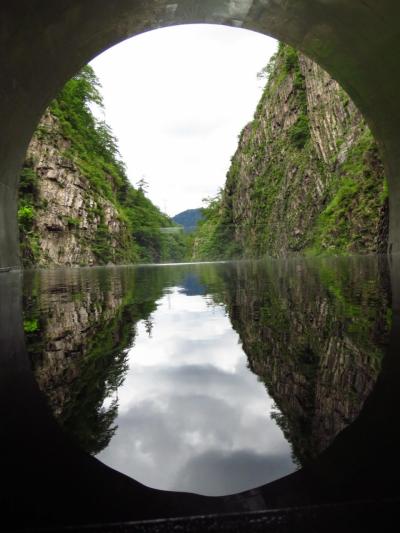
(246, 378)
(306, 178)
(89, 326)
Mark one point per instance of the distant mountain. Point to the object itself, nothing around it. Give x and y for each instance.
(189, 219)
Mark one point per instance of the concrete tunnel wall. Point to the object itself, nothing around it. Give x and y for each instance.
(43, 43)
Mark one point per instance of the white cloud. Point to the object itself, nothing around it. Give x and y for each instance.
(177, 98)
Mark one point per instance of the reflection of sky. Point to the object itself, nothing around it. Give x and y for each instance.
(192, 416)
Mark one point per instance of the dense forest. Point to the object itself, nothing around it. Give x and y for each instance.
(76, 204)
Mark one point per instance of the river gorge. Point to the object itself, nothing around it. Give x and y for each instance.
(199, 266)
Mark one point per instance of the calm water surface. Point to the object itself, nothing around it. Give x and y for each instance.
(192, 416)
(211, 378)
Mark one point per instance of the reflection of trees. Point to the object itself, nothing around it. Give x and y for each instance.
(102, 370)
(148, 325)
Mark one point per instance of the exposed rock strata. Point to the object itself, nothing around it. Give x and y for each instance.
(306, 176)
(70, 211)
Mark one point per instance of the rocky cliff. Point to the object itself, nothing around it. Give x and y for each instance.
(69, 212)
(306, 176)
(77, 206)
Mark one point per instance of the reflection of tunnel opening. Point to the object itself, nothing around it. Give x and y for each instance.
(333, 35)
(361, 461)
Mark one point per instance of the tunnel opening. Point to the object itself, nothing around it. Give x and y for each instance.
(327, 194)
(321, 32)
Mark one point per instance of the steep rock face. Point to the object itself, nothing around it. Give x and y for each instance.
(306, 175)
(69, 212)
(316, 336)
(76, 203)
(335, 122)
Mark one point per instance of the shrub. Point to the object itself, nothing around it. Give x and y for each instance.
(300, 132)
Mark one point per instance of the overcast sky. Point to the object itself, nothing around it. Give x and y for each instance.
(177, 99)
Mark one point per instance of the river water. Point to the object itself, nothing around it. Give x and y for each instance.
(210, 378)
(213, 378)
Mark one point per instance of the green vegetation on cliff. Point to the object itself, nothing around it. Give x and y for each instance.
(306, 176)
(357, 202)
(75, 139)
(27, 207)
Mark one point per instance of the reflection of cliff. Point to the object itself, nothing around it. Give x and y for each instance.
(79, 326)
(315, 334)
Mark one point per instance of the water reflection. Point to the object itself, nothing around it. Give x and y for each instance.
(316, 333)
(190, 403)
(163, 353)
(322, 336)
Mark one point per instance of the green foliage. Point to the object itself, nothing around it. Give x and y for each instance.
(31, 325)
(214, 237)
(300, 132)
(281, 196)
(149, 228)
(28, 182)
(101, 246)
(73, 223)
(268, 70)
(94, 149)
(355, 198)
(26, 216)
(28, 205)
(289, 58)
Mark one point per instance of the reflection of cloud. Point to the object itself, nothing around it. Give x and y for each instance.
(192, 416)
(217, 473)
(168, 445)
